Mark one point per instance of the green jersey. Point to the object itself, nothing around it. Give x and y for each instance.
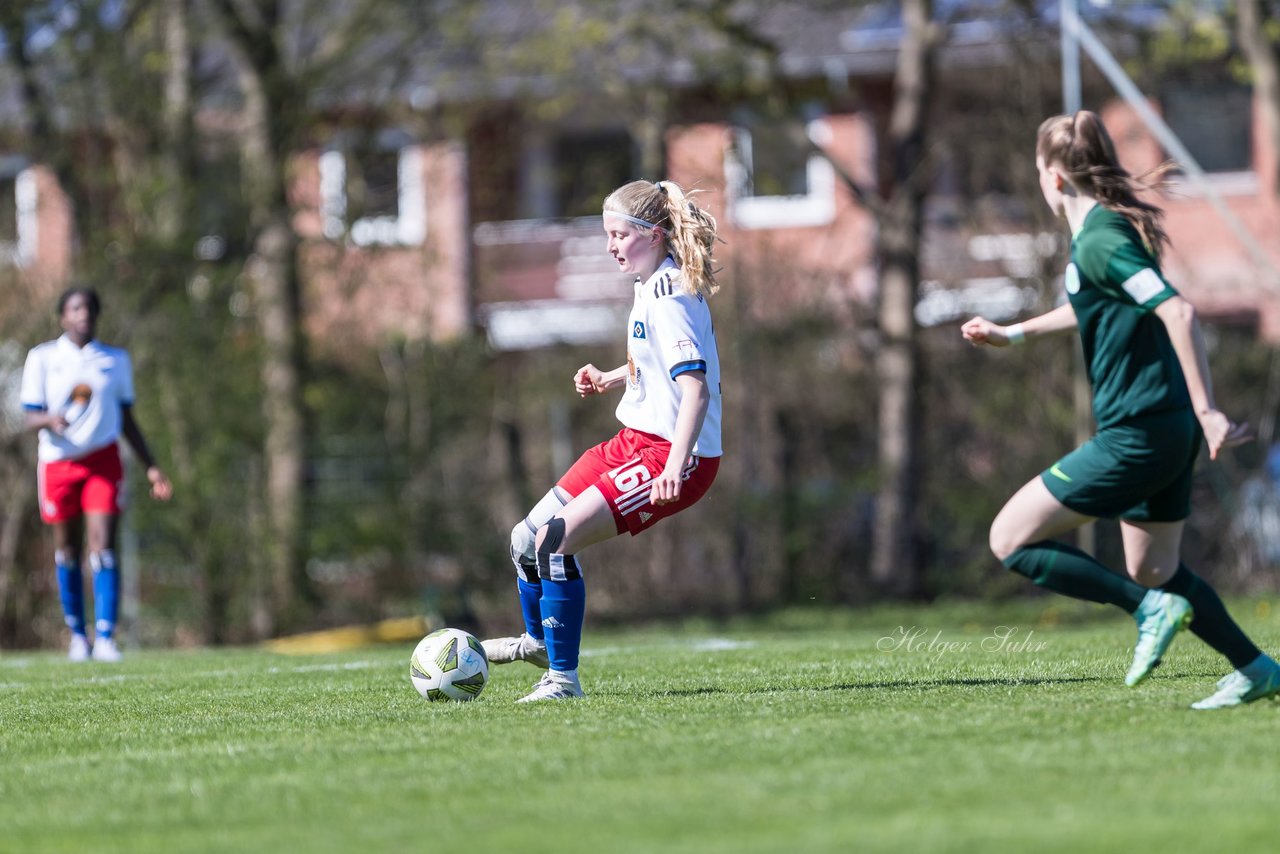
(1114, 285)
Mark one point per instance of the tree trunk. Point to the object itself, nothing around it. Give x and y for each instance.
(176, 159)
(13, 514)
(893, 555)
(273, 274)
(893, 558)
(1264, 61)
(270, 109)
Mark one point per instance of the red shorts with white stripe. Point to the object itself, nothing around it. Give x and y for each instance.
(623, 469)
(90, 484)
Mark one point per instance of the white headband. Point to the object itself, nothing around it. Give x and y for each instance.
(637, 220)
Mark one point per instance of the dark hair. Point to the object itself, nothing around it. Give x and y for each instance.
(1080, 145)
(90, 295)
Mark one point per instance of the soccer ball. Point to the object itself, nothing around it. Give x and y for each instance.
(449, 664)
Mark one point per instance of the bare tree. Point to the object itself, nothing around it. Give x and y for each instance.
(893, 557)
(1263, 53)
(269, 99)
(284, 55)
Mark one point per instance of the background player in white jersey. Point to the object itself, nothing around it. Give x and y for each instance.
(78, 392)
(667, 454)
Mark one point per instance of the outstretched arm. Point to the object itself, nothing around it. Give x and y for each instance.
(1179, 318)
(979, 330)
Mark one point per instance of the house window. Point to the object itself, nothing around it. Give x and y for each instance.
(374, 194)
(18, 213)
(1214, 120)
(774, 180)
(590, 166)
(565, 173)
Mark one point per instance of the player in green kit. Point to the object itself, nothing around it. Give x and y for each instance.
(1153, 404)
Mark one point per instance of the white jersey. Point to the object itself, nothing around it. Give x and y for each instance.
(87, 385)
(669, 333)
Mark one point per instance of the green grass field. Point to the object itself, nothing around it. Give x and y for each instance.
(805, 732)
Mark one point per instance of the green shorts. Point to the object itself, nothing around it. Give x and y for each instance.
(1140, 470)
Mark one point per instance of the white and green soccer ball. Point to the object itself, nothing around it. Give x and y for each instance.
(449, 664)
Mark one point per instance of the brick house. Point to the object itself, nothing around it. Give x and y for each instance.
(495, 228)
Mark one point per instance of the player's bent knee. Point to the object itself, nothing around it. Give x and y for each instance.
(523, 544)
(1002, 544)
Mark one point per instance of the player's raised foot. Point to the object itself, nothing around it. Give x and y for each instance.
(105, 649)
(555, 685)
(79, 649)
(1255, 681)
(523, 648)
(1160, 617)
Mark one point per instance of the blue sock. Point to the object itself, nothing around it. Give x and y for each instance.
(106, 592)
(71, 591)
(530, 597)
(563, 606)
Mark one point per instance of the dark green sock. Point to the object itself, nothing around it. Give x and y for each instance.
(1063, 569)
(1212, 624)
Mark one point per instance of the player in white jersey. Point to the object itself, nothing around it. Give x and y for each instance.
(78, 392)
(668, 452)
(669, 330)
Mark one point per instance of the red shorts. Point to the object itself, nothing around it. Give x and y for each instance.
(622, 469)
(90, 484)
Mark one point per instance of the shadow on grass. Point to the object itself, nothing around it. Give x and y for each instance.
(892, 684)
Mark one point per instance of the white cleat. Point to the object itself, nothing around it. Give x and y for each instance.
(79, 649)
(523, 648)
(106, 650)
(555, 685)
(1237, 688)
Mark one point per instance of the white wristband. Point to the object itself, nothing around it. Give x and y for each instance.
(1015, 333)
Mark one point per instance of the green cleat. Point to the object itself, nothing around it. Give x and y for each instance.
(1237, 688)
(1160, 616)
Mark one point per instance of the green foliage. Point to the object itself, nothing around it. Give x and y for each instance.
(199, 403)
(1197, 35)
(1190, 33)
(993, 420)
(813, 731)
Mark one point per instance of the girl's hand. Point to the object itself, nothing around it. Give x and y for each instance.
(589, 380)
(161, 488)
(1221, 432)
(980, 331)
(666, 486)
